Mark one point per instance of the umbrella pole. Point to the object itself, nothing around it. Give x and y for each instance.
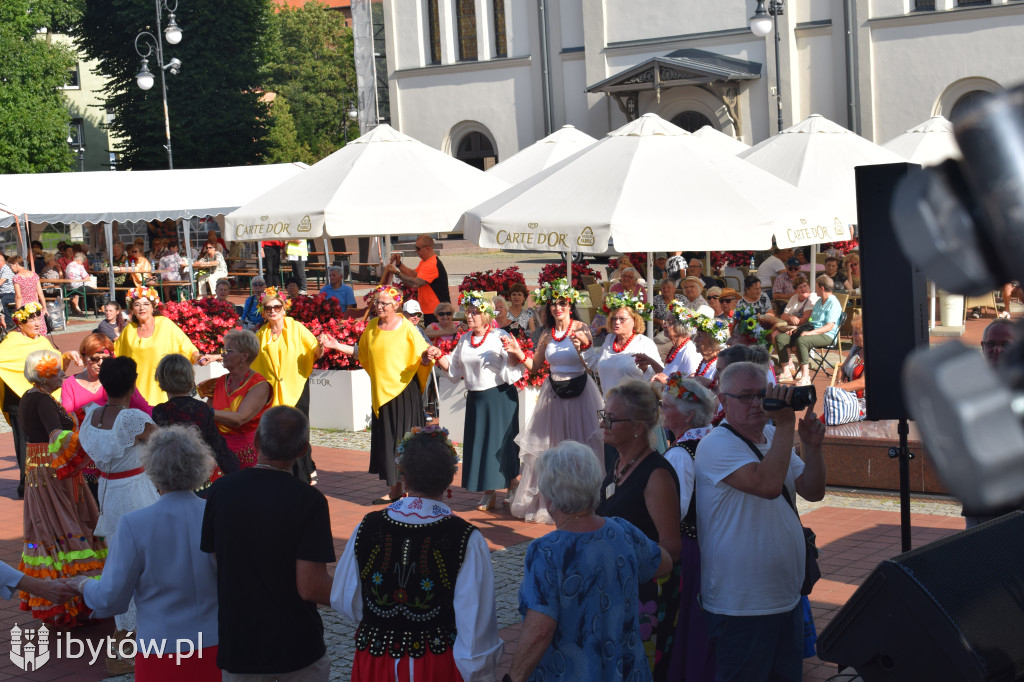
(385, 276)
(108, 234)
(186, 223)
(650, 290)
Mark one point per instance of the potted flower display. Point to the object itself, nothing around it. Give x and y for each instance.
(205, 321)
(493, 280)
(554, 271)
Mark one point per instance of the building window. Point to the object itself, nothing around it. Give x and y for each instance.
(72, 81)
(465, 15)
(500, 41)
(968, 3)
(691, 121)
(434, 29)
(924, 5)
(477, 150)
(966, 102)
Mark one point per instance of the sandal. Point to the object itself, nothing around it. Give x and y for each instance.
(383, 500)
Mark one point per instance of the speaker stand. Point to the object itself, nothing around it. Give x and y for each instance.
(905, 455)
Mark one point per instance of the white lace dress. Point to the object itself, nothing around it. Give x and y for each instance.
(123, 486)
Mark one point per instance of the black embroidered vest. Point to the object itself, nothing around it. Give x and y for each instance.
(408, 575)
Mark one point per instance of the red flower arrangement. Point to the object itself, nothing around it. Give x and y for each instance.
(553, 271)
(539, 374)
(493, 280)
(204, 321)
(738, 259)
(843, 247)
(637, 260)
(320, 314)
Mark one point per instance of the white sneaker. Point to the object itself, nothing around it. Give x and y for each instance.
(804, 381)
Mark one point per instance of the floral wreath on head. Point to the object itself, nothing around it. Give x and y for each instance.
(676, 389)
(476, 299)
(391, 291)
(700, 321)
(273, 292)
(143, 292)
(744, 323)
(48, 366)
(26, 311)
(613, 302)
(432, 431)
(556, 290)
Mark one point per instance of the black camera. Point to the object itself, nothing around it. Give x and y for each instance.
(801, 398)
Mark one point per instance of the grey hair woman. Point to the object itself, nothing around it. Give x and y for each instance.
(641, 487)
(155, 558)
(601, 630)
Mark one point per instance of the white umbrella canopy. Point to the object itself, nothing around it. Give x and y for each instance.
(650, 186)
(928, 144)
(384, 183)
(819, 156)
(542, 154)
(726, 143)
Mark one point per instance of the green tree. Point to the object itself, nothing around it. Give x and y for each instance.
(216, 112)
(283, 142)
(312, 65)
(33, 111)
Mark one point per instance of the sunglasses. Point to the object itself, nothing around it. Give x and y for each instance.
(96, 358)
(444, 314)
(714, 298)
(270, 308)
(747, 398)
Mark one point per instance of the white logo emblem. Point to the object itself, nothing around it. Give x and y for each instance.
(32, 653)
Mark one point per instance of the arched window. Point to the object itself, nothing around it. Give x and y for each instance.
(434, 32)
(967, 101)
(500, 40)
(477, 150)
(465, 15)
(691, 121)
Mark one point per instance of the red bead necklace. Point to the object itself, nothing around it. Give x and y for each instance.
(556, 338)
(707, 365)
(618, 349)
(477, 344)
(675, 351)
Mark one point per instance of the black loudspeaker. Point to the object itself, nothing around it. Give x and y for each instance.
(895, 300)
(951, 610)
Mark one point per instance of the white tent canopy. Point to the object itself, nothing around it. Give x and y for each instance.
(542, 154)
(819, 156)
(650, 186)
(105, 196)
(726, 143)
(928, 144)
(384, 183)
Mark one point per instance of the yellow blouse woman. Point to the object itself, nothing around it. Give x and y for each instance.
(287, 350)
(149, 337)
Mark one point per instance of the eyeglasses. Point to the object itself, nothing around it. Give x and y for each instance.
(621, 320)
(444, 314)
(230, 350)
(96, 358)
(420, 248)
(746, 398)
(414, 314)
(606, 421)
(795, 268)
(560, 304)
(271, 308)
(714, 298)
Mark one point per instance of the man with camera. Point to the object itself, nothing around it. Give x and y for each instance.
(751, 540)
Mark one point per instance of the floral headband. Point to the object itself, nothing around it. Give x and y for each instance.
(432, 431)
(744, 323)
(613, 302)
(676, 389)
(272, 292)
(143, 292)
(476, 299)
(391, 291)
(699, 321)
(25, 312)
(48, 367)
(556, 290)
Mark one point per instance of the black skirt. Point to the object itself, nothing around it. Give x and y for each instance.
(397, 416)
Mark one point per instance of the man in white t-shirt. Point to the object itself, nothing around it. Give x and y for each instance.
(751, 542)
(772, 266)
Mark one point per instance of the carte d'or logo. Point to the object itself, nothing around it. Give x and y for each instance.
(533, 226)
(304, 225)
(264, 218)
(30, 649)
(839, 227)
(586, 237)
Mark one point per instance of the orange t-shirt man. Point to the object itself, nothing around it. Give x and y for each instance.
(435, 290)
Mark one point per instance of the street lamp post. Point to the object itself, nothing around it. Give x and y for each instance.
(351, 114)
(144, 78)
(79, 149)
(760, 25)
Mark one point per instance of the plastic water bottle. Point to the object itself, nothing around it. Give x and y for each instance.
(752, 268)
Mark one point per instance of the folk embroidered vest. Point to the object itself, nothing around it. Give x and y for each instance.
(408, 575)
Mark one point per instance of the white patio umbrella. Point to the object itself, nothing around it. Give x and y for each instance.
(542, 154)
(384, 183)
(819, 156)
(726, 143)
(649, 186)
(928, 144)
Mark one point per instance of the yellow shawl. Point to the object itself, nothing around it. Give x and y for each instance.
(13, 351)
(167, 339)
(392, 359)
(286, 362)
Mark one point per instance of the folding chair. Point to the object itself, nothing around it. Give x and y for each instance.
(819, 356)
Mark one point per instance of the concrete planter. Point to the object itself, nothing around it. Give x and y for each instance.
(340, 399)
(210, 371)
(452, 406)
